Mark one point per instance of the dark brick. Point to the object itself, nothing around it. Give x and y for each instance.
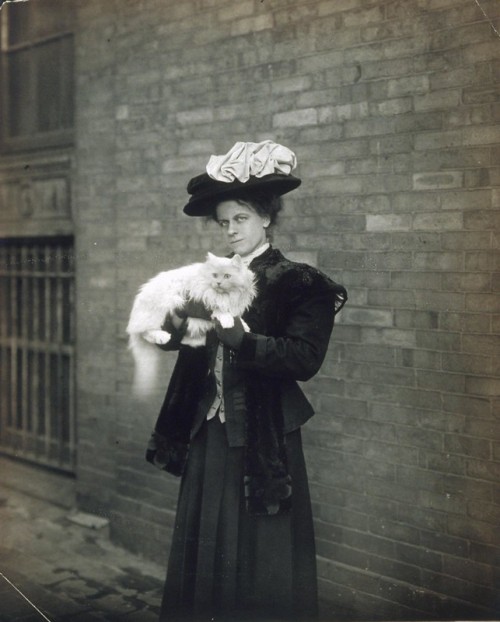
(486, 428)
(482, 469)
(468, 446)
(395, 531)
(423, 518)
(484, 511)
(475, 530)
(471, 406)
(422, 359)
(393, 413)
(420, 557)
(442, 462)
(371, 354)
(405, 318)
(485, 554)
(441, 542)
(463, 590)
(440, 341)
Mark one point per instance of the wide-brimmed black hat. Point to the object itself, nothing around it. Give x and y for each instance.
(207, 192)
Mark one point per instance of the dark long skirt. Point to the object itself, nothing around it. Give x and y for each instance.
(227, 565)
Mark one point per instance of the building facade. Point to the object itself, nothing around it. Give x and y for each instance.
(393, 110)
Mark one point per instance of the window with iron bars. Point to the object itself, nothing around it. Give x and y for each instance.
(37, 418)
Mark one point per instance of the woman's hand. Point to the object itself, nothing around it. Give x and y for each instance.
(233, 336)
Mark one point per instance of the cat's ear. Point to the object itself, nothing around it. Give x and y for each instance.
(237, 261)
(210, 256)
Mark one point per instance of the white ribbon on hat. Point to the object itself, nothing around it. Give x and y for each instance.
(244, 160)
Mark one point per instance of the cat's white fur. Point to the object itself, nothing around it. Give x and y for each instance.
(167, 291)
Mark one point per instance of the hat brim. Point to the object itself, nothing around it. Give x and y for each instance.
(207, 192)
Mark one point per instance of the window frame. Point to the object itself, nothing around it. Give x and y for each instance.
(63, 137)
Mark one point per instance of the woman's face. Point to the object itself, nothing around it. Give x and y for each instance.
(244, 229)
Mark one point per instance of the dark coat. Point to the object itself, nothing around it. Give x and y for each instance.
(228, 554)
(290, 323)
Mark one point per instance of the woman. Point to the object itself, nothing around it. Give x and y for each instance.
(243, 543)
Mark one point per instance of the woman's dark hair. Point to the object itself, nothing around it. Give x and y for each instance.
(263, 203)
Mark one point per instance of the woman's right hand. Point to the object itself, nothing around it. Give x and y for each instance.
(233, 336)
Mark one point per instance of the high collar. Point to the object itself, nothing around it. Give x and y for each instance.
(247, 260)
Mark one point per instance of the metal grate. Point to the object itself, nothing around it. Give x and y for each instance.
(37, 417)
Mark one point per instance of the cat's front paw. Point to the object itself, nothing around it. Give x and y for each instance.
(226, 320)
(159, 337)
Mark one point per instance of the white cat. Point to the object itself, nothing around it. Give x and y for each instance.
(225, 287)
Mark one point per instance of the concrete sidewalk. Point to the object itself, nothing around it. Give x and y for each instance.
(53, 567)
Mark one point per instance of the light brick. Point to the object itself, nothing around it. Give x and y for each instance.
(391, 107)
(408, 86)
(370, 127)
(197, 116)
(389, 336)
(441, 221)
(429, 281)
(438, 261)
(297, 84)
(367, 317)
(437, 100)
(482, 386)
(231, 12)
(326, 7)
(484, 135)
(388, 222)
(440, 301)
(393, 299)
(338, 185)
(296, 118)
(437, 181)
(439, 140)
(328, 114)
(252, 24)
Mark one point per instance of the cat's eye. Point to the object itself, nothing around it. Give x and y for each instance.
(227, 276)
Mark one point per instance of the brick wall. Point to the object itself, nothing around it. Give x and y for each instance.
(392, 108)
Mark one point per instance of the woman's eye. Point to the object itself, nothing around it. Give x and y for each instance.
(222, 223)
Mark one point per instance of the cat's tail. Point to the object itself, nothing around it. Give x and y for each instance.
(147, 358)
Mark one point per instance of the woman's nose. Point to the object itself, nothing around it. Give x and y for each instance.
(231, 228)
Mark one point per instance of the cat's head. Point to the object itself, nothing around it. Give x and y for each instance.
(224, 274)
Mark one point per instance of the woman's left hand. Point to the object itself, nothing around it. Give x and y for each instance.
(231, 337)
